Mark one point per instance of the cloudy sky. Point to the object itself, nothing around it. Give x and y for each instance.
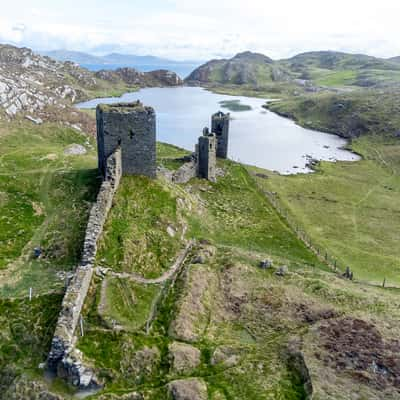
(203, 29)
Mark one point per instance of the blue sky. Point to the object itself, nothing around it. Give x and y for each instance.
(204, 29)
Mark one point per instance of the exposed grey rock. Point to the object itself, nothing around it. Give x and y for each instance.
(282, 271)
(188, 389)
(171, 231)
(75, 150)
(225, 355)
(265, 264)
(36, 121)
(184, 357)
(296, 361)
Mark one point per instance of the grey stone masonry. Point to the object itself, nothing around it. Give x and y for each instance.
(132, 127)
(64, 359)
(220, 126)
(206, 156)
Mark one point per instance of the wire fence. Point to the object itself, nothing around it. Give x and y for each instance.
(323, 254)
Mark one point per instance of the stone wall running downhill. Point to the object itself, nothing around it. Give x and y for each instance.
(64, 359)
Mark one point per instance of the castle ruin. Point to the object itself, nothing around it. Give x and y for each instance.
(220, 126)
(132, 127)
(206, 156)
(126, 135)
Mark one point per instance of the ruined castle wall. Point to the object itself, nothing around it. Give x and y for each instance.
(63, 358)
(206, 153)
(132, 127)
(220, 126)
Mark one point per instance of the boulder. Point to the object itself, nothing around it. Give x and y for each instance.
(184, 357)
(188, 389)
(224, 355)
(75, 150)
(282, 271)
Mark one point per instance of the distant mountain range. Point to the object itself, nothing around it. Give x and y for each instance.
(112, 59)
(312, 70)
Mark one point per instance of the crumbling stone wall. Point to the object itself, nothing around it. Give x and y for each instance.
(220, 126)
(132, 127)
(206, 156)
(63, 358)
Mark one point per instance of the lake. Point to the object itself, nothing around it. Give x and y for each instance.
(257, 136)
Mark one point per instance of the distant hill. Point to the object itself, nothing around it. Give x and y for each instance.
(41, 86)
(337, 60)
(395, 59)
(312, 70)
(245, 68)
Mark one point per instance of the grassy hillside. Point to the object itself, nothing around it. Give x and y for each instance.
(310, 72)
(351, 209)
(242, 319)
(45, 195)
(347, 114)
(240, 324)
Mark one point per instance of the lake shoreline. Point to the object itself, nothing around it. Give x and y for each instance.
(273, 141)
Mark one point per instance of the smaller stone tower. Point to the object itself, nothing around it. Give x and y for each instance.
(132, 127)
(206, 156)
(220, 126)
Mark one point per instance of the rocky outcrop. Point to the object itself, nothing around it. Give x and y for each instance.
(296, 362)
(184, 357)
(245, 68)
(188, 389)
(63, 358)
(29, 82)
(133, 77)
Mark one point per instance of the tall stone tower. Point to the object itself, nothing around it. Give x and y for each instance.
(132, 127)
(206, 156)
(220, 126)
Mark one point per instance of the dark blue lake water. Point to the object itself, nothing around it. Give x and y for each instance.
(257, 136)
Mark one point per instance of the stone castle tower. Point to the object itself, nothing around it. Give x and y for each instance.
(220, 126)
(132, 127)
(206, 156)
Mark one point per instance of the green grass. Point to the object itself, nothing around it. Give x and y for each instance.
(350, 114)
(239, 215)
(129, 303)
(351, 209)
(25, 335)
(45, 196)
(336, 78)
(135, 237)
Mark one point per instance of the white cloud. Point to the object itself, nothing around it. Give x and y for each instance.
(204, 29)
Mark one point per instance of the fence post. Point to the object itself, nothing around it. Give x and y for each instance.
(81, 324)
